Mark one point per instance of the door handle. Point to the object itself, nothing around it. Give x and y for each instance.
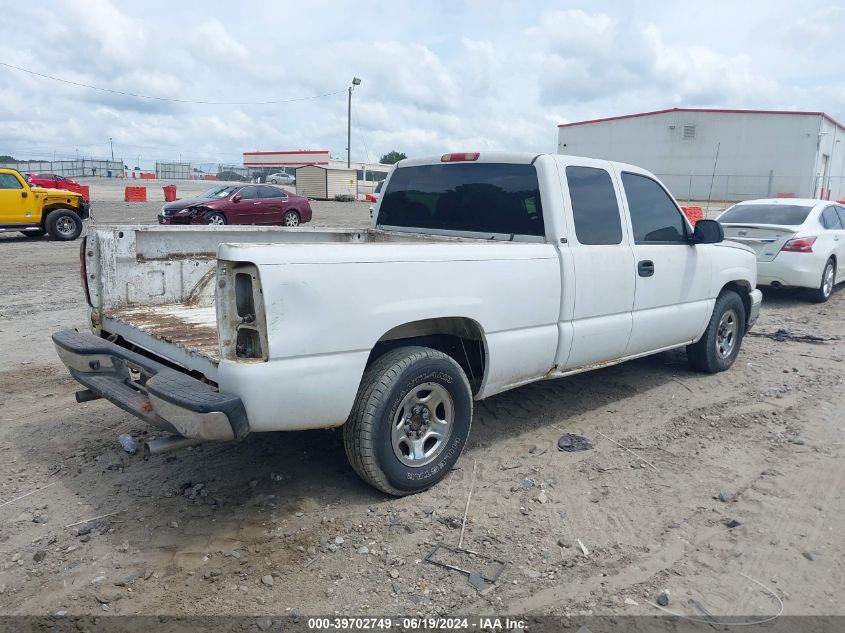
(645, 268)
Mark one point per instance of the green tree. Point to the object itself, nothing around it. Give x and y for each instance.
(5, 158)
(392, 157)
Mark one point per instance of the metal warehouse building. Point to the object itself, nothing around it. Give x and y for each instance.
(761, 153)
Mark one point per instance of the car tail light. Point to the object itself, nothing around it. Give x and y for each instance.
(799, 245)
(83, 268)
(460, 157)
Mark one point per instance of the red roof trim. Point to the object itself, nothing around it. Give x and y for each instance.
(717, 110)
(279, 164)
(305, 151)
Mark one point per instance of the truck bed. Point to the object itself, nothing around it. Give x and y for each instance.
(186, 326)
(154, 286)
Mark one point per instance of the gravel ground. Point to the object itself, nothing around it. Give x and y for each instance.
(279, 523)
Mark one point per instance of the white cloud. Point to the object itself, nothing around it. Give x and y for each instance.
(476, 75)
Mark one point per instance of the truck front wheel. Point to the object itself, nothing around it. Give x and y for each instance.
(410, 420)
(718, 347)
(64, 225)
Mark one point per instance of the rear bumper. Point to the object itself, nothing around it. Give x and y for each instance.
(756, 301)
(802, 270)
(163, 397)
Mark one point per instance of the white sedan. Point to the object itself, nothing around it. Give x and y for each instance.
(281, 178)
(799, 242)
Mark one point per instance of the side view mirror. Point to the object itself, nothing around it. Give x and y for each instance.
(236, 198)
(708, 232)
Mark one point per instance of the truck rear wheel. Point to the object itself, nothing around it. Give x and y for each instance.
(64, 225)
(410, 421)
(718, 347)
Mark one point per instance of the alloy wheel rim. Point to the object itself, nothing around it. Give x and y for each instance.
(216, 219)
(291, 220)
(726, 334)
(422, 424)
(827, 286)
(65, 226)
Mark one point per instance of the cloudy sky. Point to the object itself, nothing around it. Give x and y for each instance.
(436, 76)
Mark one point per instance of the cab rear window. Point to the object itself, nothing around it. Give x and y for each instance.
(788, 214)
(488, 198)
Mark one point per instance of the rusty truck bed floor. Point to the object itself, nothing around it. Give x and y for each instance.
(187, 326)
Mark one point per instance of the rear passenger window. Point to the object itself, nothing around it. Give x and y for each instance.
(654, 216)
(271, 192)
(594, 206)
(840, 211)
(829, 219)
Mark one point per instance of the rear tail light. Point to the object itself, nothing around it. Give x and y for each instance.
(799, 245)
(240, 304)
(460, 157)
(83, 268)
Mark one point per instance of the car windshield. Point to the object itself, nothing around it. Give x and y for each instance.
(788, 214)
(218, 192)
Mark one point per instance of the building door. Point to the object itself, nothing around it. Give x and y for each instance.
(824, 185)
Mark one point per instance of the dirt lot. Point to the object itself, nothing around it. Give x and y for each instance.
(279, 524)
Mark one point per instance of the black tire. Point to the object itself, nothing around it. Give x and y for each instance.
(35, 233)
(823, 292)
(274, 181)
(216, 218)
(717, 349)
(291, 218)
(63, 225)
(386, 389)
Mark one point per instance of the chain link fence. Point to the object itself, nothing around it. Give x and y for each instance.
(70, 168)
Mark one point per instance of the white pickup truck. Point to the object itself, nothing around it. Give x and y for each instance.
(480, 273)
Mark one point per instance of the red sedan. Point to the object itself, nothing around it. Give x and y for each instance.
(240, 204)
(51, 181)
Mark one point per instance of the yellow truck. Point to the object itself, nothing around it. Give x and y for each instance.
(36, 211)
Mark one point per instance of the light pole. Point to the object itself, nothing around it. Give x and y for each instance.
(112, 149)
(355, 82)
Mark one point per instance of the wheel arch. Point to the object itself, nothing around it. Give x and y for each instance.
(56, 206)
(460, 338)
(743, 288)
(205, 211)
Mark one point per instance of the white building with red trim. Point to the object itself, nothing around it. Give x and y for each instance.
(753, 153)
